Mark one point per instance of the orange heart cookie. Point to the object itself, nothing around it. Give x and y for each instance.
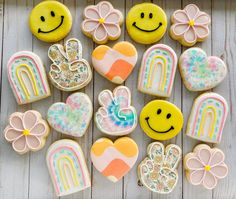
(115, 63)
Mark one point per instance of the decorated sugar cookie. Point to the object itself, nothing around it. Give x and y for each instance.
(102, 22)
(116, 116)
(190, 25)
(73, 117)
(158, 171)
(26, 131)
(69, 71)
(67, 167)
(27, 77)
(114, 160)
(200, 72)
(115, 63)
(157, 72)
(207, 118)
(146, 23)
(161, 120)
(205, 166)
(50, 21)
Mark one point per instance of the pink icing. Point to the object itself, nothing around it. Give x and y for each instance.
(190, 24)
(102, 22)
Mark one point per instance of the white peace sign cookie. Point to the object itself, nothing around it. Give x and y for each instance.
(69, 71)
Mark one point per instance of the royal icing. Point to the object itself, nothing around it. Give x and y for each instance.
(102, 22)
(190, 25)
(161, 120)
(115, 63)
(114, 160)
(50, 21)
(26, 131)
(205, 166)
(146, 23)
(67, 167)
(69, 71)
(27, 77)
(116, 116)
(157, 70)
(73, 117)
(207, 118)
(200, 72)
(158, 171)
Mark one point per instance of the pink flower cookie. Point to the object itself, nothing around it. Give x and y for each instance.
(26, 131)
(102, 22)
(190, 25)
(205, 166)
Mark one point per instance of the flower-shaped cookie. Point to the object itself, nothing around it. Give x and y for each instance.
(102, 22)
(26, 131)
(189, 25)
(205, 166)
(69, 71)
(158, 171)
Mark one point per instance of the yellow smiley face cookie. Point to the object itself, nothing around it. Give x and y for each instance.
(161, 120)
(146, 23)
(50, 21)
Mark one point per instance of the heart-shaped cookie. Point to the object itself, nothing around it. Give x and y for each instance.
(115, 63)
(72, 117)
(114, 160)
(200, 72)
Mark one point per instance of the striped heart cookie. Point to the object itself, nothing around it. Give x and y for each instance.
(114, 160)
(115, 63)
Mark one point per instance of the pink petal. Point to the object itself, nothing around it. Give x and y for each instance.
(194, 163)
(33, 142)
(220, 171)
(16, 122)
(89, 25)
(196, 177)
(91, 13)
(29, 119)
(202, 19)
(209, 181)
(104, 8)
(39, 129)
(179, 28)
(19, 145)
(201, 31)
(113, 30)
(180, 16)
(12, 134)
(204, 155)
(100, 33)
(190, 35)
(217, 158)
(114, 17)
(192, 11)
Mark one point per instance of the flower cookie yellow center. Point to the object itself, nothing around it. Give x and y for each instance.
(191, 22)
(26, 132)
(101, 20)
(207, 167)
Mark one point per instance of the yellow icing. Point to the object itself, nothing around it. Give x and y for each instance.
(26, 132)
(101, 20)
(207, 168)
(191, 22)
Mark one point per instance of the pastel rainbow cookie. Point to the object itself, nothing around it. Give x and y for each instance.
(207, 118)
(116, 116)
(114, 160)
(115, 63)
(27, 77)
(67, 167)
(157, 72)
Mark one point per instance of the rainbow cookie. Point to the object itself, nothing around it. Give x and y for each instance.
(114, 160)
(200, 72)
(205, 166)
(73, 117)
(27, 77)
(50, 21)
(115, 63)
(207, 118)
(26, 131)
(69, 71)
(190, 25)
(157, 71)
(102, 22)
(67, 167)
(158, 171)
(146, 23)
(116, 116)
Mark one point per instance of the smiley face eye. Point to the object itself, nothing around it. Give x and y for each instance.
(168, 116)
(150, 15)
(42, 18)
(142, 15)
(158, 111)
(52, 14)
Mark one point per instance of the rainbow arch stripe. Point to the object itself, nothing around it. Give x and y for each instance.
(27, 77)
(207, 118)
(67, 167)
(157, 71)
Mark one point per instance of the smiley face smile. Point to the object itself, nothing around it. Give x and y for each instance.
(160, 24)
(62, 19)
(147, 120)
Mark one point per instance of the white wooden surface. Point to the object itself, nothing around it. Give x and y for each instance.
(26, 176)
